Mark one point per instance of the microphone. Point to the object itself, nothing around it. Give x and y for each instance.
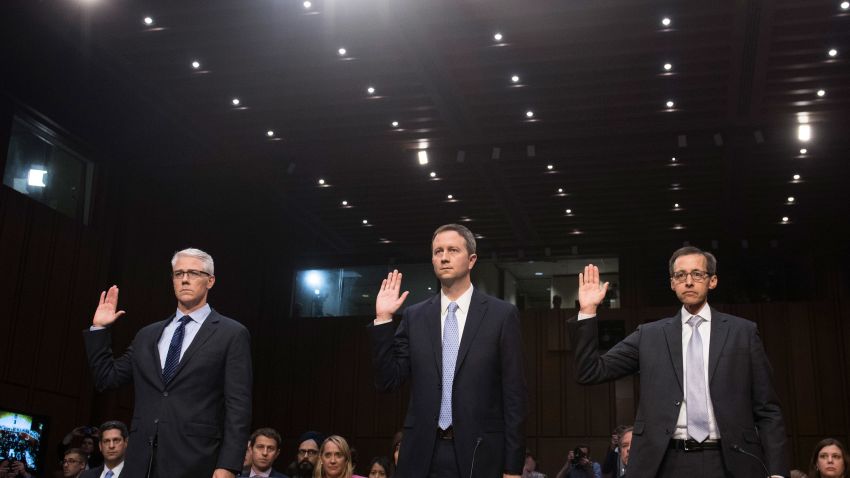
(754, 457)
(474, 451)
(153, 442)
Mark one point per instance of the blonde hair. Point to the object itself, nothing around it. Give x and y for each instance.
(340, 442)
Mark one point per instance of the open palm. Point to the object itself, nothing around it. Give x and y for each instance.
(591, 292)
(106, 312)
(388, 300)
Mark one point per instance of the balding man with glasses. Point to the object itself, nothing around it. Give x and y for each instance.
(192, 378)
(708, 407)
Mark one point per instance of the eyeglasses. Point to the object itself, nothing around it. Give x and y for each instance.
(71, 461)
(193, 274)
(696, 275)
(303, 452)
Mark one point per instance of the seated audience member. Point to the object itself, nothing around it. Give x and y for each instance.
(612, 466)
(13, 469)
(379, 467)
(334, 459)
(579, 465)
(829, 460)
(529, 469)
(73, 463)
(797, 474)
(264, 448)
(307, 455)
(84, 438)
(625, 442)
(113, 445)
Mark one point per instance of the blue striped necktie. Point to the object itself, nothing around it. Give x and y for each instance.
(172, 360)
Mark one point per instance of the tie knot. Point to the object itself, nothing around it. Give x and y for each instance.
(695, 320)
(453, 307)
(183, 320)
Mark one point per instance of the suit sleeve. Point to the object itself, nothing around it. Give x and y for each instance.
(238, 383)
(514, 393)
(390, 354)
(767, 412)
(107, 371)
(622, 360)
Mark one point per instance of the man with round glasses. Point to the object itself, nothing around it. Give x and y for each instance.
(708, 407)
(192, 378)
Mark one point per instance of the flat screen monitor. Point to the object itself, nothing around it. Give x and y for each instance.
(23, 438)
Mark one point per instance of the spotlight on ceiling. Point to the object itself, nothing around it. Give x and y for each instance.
(803, 150)
(791, 199)
(569, 211)
(270, 133)
(668, 66)
(673, 159)
(560, 190)
(342, 51)
(395, 124)
(344, 203)
(785, 219)
(307, 4)
(821, 93)
(515, 79)
(196, 64)
(832, 52)
(365, 221)
(370, 90)
(550, 167)
(529, 114)
(423, 157)
(666, 21)
(321, 182)
(148, 21)
(235, 102)
(670, 104)
(35, 178)
(797, 177)
(845, 5)
(450, 197)
(804, 132)
(433, 174)
(498, 36)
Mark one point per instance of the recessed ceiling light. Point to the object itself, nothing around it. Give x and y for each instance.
(673, 159)
(365, 221)
(433, 174)
(307, 4)
(344, 203)
(560, 190)
(322, 182)
(668, 66)
(670, 103)
(342, 51)
(803, 150)
(538, 273)
(845, 5)
(796, 177)
(529, 114)
(821, 93)
(148, 21)
(515, 79)
(791, 199)
(802, 118)
(370, 90)
(666, 21)
(196, 64)
(423, 157)
(676, 206)
(804, 132)
(569, 211)
(270, 133)
(497, 36)
(395, 124)
(550, 167)
(832, 52)
(450, 197)
(235, 101)
(35, 177)
(785, 219)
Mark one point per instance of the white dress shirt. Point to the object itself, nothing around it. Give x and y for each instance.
(189, 331)
(116, 471)
(462, 310)
(705, 333)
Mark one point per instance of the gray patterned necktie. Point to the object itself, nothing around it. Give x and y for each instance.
(697, 393)
(451, 341)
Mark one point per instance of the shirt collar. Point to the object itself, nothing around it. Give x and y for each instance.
(199, 315)
(704, 312)
(254, 472)
(462, 302)
(116, 470)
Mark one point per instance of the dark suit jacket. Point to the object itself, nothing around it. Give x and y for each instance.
(93, 472)
(746, 407)
(489, 397)
(202, 416)
(274, 474)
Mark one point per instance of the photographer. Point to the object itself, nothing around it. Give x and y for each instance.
(579, 465)
(10, 468)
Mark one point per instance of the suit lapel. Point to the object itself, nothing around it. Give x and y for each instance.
(155, 352)
(673, 334)
(208, 328)
(432, 320)
(719, 333)
(474, 318)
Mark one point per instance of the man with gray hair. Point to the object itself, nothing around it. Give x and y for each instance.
(192, 378)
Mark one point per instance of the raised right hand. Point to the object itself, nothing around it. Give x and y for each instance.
(388, 300)
(106, 309)
(590, 292)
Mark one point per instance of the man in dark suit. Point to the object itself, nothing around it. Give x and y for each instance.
(113, 446)
(264, 447)
(462, 351)
(706, 394)
(192, 379)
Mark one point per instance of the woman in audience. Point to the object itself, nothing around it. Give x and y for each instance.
(334, 459)
(379, 467)
(829, 460)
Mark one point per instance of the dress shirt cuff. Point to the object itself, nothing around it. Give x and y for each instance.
(585, 316)
(95, 327)
(381, 322)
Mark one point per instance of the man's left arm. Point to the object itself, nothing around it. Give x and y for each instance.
(767, 411)
(238, 383)
(514, 394)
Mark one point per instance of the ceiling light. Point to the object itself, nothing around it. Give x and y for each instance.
(322, 182)
(804, 132)
(307, 4)
(35, 177)
(670, 104)
(673, 159)
(515, 79)
(832, 52)
(196, 64)
(569, 211)
(538, 273)
(796, 177)
(560, 190)
(395, 124)
(550, 167)
(423, 157)
(235, 101)
(433, 174)
(676, 206)
(785, 219)
(802, 118)
(666, 21)
(148, 21)
(791, 199)
(370, 90)
(529, 114)
(668, 66)
(845, 5)
(450, 197)
(497, 37)
(365, 221)
(821, 93)
(270, 133)
(803, 150)
(342, 51)
(344, 203)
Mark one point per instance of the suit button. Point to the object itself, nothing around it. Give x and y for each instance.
(164, 394)
(677, 403)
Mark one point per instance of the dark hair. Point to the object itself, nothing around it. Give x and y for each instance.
(383, 461)
(266, 432)
(464, 232)
(813, 463)
(623, 431)
(710, 260)
(75, 451)
(115, 425)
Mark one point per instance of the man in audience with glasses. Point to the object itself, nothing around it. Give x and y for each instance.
(192, 378)
(708, 407)
(73, 463)
(307, 455)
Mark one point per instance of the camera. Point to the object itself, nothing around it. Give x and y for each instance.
(578, 456)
